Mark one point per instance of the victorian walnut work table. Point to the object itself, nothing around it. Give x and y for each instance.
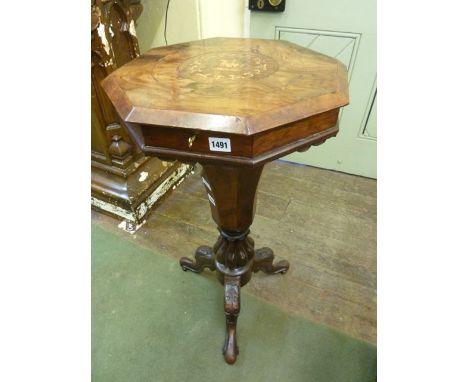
(231, 105)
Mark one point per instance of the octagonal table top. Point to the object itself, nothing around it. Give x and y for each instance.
(227, 85)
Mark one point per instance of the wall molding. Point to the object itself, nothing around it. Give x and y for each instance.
(318, 33)
(363, 132)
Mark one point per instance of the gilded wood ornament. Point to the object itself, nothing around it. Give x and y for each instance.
(116, 161)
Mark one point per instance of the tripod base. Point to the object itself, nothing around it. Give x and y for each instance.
(239, 251)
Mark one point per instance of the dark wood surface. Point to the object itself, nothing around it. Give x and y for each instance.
(116, 161)
(267, 98)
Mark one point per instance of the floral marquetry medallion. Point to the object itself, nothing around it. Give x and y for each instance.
(225, 67)
(219, 73)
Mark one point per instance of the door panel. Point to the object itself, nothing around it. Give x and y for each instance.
(341, 46)
(345, 30)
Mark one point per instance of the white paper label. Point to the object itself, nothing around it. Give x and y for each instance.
(219, 144)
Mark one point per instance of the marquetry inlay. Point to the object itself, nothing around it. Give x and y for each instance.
(227, 67)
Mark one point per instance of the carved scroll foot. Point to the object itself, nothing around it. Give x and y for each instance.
(263, 261)
(204, 258)
(231, 310)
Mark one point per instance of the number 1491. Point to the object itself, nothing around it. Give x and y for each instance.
(220, 144)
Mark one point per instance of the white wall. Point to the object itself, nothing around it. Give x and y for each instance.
(189, 20)
(222, 18)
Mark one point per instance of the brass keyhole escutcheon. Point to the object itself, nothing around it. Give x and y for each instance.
(191, 140)
(260, 4)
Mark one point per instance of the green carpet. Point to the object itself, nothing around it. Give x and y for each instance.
(153, 322)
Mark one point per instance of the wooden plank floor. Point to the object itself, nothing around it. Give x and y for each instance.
(322, 222)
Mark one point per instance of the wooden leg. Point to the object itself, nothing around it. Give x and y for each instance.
(204, 258)
(263, 261)
(231, 310)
